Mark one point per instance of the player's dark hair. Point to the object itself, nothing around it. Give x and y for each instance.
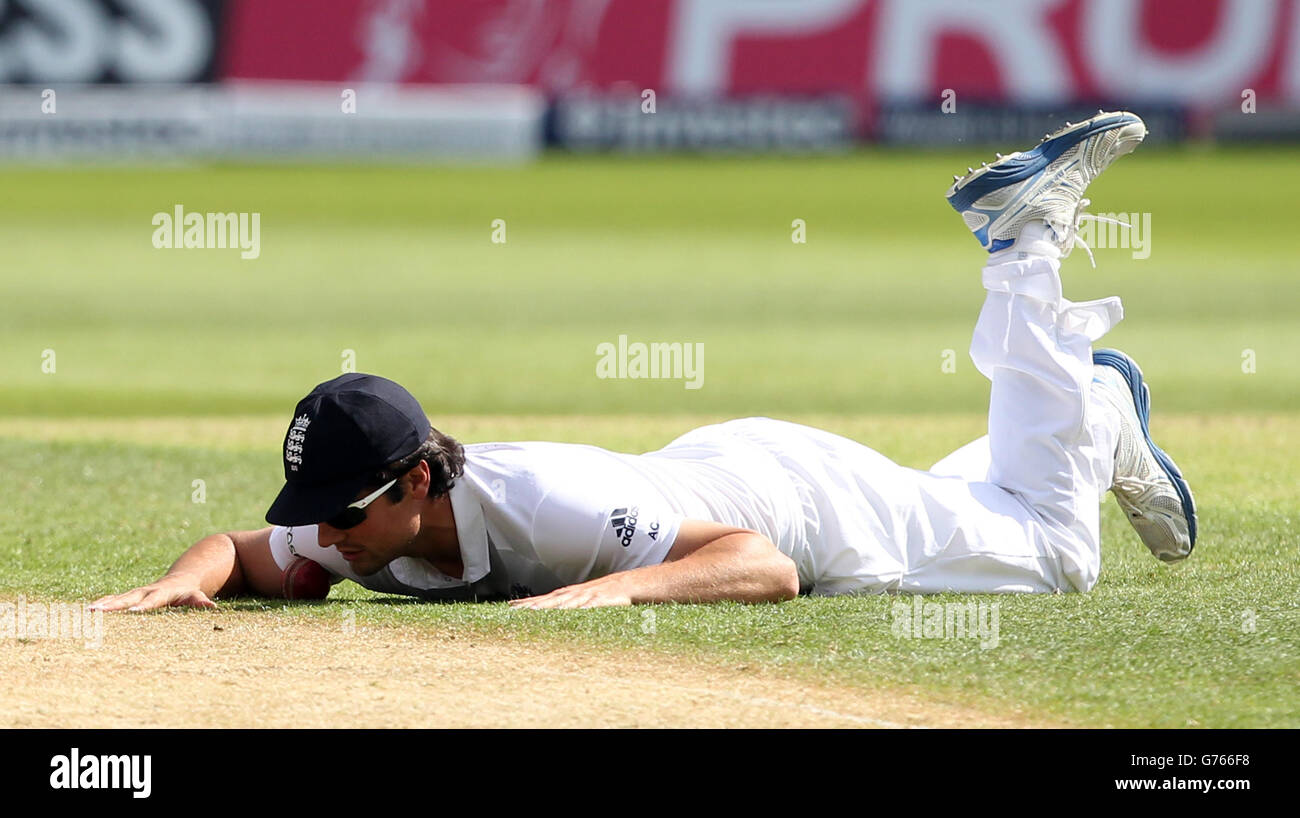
(446, 459)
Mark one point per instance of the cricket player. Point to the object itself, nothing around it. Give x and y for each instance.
(754, 510)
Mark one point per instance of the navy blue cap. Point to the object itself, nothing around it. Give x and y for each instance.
(342, 433)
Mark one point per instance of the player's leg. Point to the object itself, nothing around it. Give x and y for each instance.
(875, 526)
(1058, 414)
(1048, 445)
(1031, 523)
(1147, 484)
(969, 462)
(1034, 523)
(1052, 440)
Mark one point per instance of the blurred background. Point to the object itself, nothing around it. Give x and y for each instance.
(472, 197)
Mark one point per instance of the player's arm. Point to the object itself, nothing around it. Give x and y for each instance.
(216, 566)
(708, 562)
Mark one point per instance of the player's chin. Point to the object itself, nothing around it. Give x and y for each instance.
(366, 565)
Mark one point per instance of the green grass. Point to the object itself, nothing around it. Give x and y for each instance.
(847, 331)
(397, 265)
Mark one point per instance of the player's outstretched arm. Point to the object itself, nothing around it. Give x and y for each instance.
(215, 566)
(709, 562)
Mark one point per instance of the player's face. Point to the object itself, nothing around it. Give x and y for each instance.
(386, 534)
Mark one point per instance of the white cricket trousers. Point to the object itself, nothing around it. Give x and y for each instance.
(1050, 449)
(1015, 511)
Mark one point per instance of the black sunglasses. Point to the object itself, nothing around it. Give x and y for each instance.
(355, 514)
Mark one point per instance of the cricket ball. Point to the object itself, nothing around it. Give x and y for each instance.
(305, 579)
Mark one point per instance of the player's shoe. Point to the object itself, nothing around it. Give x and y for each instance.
(1149, 487)
(1045, 183)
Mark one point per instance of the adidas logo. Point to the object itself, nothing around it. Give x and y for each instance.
(624, 522)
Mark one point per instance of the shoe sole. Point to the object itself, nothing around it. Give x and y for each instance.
(1142, 401)
(1018, 167)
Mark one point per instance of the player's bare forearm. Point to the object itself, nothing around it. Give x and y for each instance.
(742, 566)
(212, 564)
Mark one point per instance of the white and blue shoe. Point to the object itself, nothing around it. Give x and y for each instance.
(1045, 183)
(1147, 484)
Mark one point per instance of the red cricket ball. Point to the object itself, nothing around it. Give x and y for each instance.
(305, 579)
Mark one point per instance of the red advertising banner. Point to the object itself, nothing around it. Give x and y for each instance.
(1184, 52)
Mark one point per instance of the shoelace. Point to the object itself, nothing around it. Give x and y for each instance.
(1134, 487)
(1069, 233)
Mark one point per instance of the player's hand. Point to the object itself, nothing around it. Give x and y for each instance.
(604, 592)
(166, 592)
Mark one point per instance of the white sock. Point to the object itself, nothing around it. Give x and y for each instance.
(1036, 238)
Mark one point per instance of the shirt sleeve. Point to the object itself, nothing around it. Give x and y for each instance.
(300, 541)
(582, 535)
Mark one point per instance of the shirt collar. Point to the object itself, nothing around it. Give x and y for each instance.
(471, 529)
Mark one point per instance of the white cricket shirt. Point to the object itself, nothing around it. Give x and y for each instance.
(535, 516)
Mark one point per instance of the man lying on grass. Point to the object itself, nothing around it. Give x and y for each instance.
(753, 510)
